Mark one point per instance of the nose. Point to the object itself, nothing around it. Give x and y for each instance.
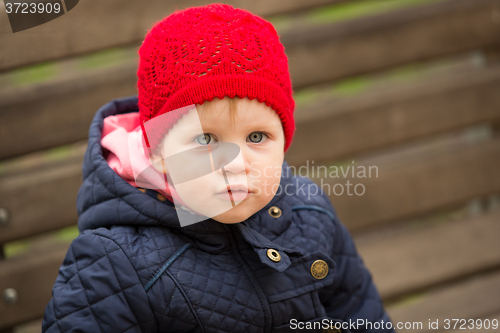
(237, 165)
(231, 157)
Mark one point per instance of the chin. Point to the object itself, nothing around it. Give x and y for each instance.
(231, 217)
(242, 211)
(237, 214)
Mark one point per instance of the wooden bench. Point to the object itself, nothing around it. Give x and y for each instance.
(412, 91)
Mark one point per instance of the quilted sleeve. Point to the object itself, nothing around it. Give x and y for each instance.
(353, 295)
(97, 290)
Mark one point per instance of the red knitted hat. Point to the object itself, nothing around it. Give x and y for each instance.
(200, 53)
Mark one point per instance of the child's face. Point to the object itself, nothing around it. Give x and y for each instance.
(253, 176)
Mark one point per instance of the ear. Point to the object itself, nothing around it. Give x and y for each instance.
(159, 164)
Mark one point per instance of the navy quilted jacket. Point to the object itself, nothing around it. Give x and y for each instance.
(134, 269)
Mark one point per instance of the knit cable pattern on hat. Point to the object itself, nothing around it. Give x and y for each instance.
(200, 53)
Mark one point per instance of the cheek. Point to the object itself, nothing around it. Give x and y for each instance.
(266, 178)
(269, 191)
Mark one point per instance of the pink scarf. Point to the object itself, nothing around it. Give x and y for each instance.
(122, 137)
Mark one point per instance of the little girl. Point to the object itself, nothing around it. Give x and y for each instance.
(190, 219)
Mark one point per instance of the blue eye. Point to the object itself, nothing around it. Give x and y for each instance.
(203, 139)
(257, 137)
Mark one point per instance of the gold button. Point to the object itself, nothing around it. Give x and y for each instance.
(275, 212)
(332, 329)
(319, 269)
(273, 255)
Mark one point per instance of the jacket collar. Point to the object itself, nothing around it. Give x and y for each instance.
(105, 199)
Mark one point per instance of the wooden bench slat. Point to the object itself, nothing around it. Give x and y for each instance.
(359, 46)
(32, 277)
(30, 327)
(40, 200)
(45, 116)
(334, 51)
(94, 25)
(398, 114)
(410, 185)
(417, 259)
(472, 299)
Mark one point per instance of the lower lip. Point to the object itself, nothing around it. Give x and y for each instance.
(236, 195)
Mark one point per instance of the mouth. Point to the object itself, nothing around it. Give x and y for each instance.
(235, 188)
(237, 192)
